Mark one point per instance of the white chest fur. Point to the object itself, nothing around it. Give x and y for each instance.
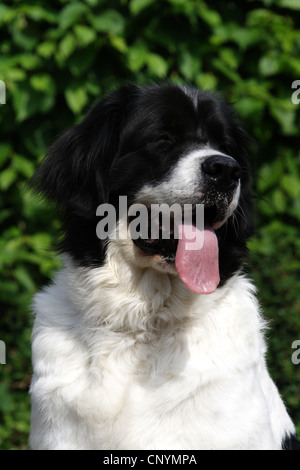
(136, 361)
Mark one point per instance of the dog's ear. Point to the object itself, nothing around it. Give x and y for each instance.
(75, 171)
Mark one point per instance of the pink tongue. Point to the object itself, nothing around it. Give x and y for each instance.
(197, 259)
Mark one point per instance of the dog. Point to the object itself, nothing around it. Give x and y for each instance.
(140, 342)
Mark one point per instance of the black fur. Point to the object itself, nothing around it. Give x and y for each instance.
(133, 136)
(291, 443)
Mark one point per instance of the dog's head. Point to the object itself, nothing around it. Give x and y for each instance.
(158, 145)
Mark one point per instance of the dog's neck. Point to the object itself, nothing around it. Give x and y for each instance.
(143, 300)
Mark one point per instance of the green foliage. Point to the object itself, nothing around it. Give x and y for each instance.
(58, 57)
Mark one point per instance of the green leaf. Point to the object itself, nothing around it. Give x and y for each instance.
(28, 102)
(84, 35)
(93, 88)
(184, 6)
(211, 17)
(43, 83)
(189, 65)
(66, 47)
(136, 6)
(22, 276)
(248, 106)
(207, 81)
(23, 166)
(119, 44)
(137, 56)
(269, 175)
(157, 65)
(291, 184)
(28, 61)
(110, 21)
(76, 98)
(24, 39)
(14, 75)
(46, 49)
(291, 63)
(225, 70)
(291, 4)
(7, 14)
(229, 57)
(269, 65)
(284, 111)
(245, 37)
(6, 401)
(7, 178)
(7, 62)
(279, 201)
(5, 151)
(38, 13)
(41, 242)
(71, 13)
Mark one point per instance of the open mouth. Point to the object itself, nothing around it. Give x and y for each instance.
(196, 264)
(165, 242)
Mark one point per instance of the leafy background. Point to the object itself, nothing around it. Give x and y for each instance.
(57, 57)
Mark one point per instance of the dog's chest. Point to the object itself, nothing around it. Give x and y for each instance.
(177, 391)
(193, 384)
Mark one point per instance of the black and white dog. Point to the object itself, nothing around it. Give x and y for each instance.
(141, 343)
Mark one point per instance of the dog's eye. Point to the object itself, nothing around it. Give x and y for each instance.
(165, 140)
(164, 137)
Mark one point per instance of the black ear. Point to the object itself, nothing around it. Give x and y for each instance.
(75, 175)
(75, 171)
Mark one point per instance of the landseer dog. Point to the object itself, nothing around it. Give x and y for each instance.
(141, 343)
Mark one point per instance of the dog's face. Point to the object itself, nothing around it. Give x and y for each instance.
(157, 145)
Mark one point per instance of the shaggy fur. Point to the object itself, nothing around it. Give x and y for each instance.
(125, 356)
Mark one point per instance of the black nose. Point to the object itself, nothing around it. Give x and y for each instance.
(222, 170)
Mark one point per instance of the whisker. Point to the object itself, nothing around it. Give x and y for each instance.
(235, 224)
(241, 212)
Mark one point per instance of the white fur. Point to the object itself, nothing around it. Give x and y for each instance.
(183, 182)
(126, 357)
